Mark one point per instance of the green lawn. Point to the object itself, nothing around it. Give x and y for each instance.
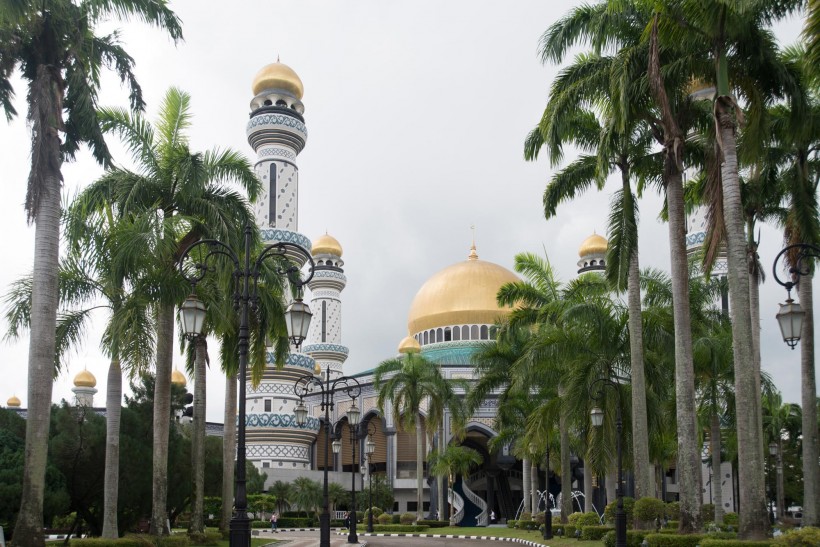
(530, 535)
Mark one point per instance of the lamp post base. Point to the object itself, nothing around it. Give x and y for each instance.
(240, 534)
(352, 537)
(324, 529)
(620, 527)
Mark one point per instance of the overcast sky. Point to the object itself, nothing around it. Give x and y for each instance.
(416, 114)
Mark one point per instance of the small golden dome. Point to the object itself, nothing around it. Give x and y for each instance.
(278, 76)
(594, 244)
(461, 294)
(327, 244)
(13, 402)
(85, 379)
(178, 378)
(317, 369)
(409, 345)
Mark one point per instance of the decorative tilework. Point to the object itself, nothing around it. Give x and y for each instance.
(276, 119)
(325, 347)
(695, 239)
(279, 420)
(451, 353)
(266, 388)
(279, 152)
(272, 235)
(293, 360)
(330, 274)
(277, 451)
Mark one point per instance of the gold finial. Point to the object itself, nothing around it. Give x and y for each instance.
(473, 255)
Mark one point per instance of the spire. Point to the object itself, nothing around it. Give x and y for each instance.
(473, 255)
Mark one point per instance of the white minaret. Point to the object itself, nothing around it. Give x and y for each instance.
(326, 326)
(276, 131)
(592, 254)
(84, 388)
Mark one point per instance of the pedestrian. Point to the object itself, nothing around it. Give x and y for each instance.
(347, 520)
(492, 516)
(273, 519)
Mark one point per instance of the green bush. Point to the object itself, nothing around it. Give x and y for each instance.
(735, 543)
(731, 519)
(539, 518)
(376, 512)
(526, 524)
(634, 538)
(594, 533)
(407, 529)
(674, 540)
(292, 522)
(563, 530)
(800, 537)
(673, 510)
(672, 524)
(649, 509)
(707, 512)
(526, 515)
(407, 518)
(384, 518)
(629, 508)
(127, 541)
(434, 523)
(511, 523)
(173, 541)
(339, 523)
(395, 518)
(585, 519)
(569, 530)
(209, 537)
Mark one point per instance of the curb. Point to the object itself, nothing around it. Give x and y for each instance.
(526, 542)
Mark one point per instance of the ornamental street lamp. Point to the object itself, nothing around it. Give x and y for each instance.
(311, 385)
(801, 256)
(352, 537)
(597, 416)
(370, 449)
(297, 316)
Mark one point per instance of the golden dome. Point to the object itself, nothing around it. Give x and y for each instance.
(409, 345)
(178, 378)
(85, 379)
(13, 402)
(278, 76)
(594, 244)
(327, 244)
(317, 369)
(461, 294)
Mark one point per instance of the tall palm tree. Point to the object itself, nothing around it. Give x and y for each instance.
(94, 275)
(189, 196)
(60, 56)
(283, 492)
(307, 494)
(780, 420)
(407, 382)
(453, 462)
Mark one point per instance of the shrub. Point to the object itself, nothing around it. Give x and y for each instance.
(173, 541)
(649, 509)
(673, 510)
(407, 518)
(539, 518)
(634, 538)
(376, 512)
(800, 537)
(672, 524)
(731, 519)
(395, 518)
(127, 541)
(629, 507)
(569, 530)
(292, 522)
(674, 540)
(405, 528)
(209, 537)
(511, 523)
(585, 519)
(707, 512)
(384, 518)
(434, 523)
(526, 524)
(339, 523)
(594, 533)
(710, 542)
(526, 515)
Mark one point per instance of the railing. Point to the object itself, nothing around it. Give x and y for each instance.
(481, 518)
(340, 515)
(458, 504)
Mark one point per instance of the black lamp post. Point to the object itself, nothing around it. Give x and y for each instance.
(548, 511)
(352, 537)
(310, 384)
(370, 449)
(597, 416)
(790, 317)
(297, 318)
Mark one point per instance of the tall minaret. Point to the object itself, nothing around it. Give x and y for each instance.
(85, 387)
(326, 326)
(276, 131)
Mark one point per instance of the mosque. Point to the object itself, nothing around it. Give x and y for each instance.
(452, 313)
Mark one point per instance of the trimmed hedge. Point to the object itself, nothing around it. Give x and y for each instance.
(594, 533)
(511, 523)
(434, 523)
(407, 519)
(526, 525)
(649, 509)
(672, 524)
(800, 537)
(564, 530)
(286, 522)
(209, 537)
(410, 529)
(584, 519)
(140, 540)
(634, 538)
(735, 543)
(673, 510)
(385, 518)
(674, 540)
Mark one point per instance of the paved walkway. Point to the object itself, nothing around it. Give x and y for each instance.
(306, 537)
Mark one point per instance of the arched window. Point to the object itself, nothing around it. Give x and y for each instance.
(474, 332)
(465, 332)
(457, 333)
(603, 263)
(425, 337)
(484, 332)
(448, 334)
(281, 102)
(268, 102)
(591, 262)
(439, 335)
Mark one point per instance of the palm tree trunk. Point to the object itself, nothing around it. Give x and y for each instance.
(811, 454)
(753, 523)
(442, 480)
(534, 486)
(566, 469)
(611, 481)
(526, 484)
(44, 300)
(228, 452)
(640, 428)
(781, 498)
(717, 476)
(198, 438)
(113, 410)
(688, 457)
(588, 488)
(754, 316)
(162, 420)
(419, 468)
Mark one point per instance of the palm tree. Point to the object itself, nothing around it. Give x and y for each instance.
(453, 462)
(780, 420)
(407, 382)
(60, 57)
(307, 494)
(186, 194)
(284, 494)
